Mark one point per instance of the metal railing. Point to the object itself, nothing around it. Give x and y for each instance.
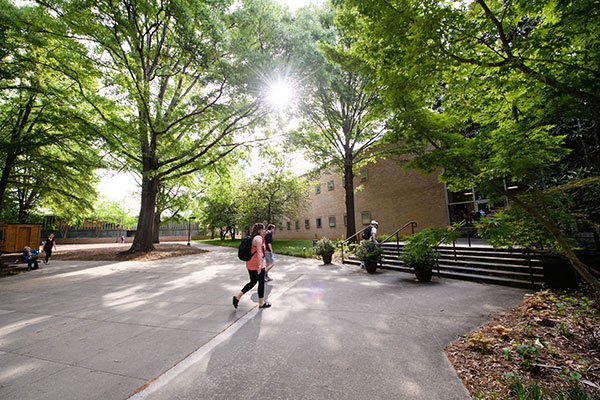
(456, 226)
(343, 242)
(411, 224)
(412, 229)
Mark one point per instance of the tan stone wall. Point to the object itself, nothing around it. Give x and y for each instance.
(392, 195)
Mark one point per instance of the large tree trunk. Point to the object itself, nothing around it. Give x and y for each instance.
(15, 137)
(145, 227)
(8, 166)
(156, 231)
(349, 183)
(23, 215)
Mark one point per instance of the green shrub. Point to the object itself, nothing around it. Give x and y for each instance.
(419, 246)
(324, 247)
(428, 258)
(369, 251)
(528, 356)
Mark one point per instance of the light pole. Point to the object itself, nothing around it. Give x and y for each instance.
(189, 230)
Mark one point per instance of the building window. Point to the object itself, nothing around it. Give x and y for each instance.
(363, 175)
(345, 220)
(330, 185)
(318, 188)
(297, 225)
(332, 221)
(307, 223)
(319, 226)
(289, 225)
(365, 217)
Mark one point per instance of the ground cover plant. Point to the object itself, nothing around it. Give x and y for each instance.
(298, 248)
(546, 348)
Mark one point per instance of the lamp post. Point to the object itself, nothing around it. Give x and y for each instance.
(190, 230)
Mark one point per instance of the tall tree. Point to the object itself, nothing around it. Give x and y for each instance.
(479, 87)
(272, 194)
(44, 150)
(51, 176)
(220, 201)
(344, 114)
(175, 87)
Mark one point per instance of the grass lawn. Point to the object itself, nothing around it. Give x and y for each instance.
(298, 248)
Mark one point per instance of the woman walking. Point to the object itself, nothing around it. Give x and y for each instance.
(256, 268)
(49, 244)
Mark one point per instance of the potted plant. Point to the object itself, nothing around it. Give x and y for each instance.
(369, 253)
(418, 252)
(423, 265)
(325, 248)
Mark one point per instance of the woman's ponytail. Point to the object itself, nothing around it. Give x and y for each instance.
(256, 229)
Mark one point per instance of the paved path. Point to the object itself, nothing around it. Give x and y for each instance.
(102, 330)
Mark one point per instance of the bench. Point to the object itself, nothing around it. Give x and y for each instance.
(11, 260)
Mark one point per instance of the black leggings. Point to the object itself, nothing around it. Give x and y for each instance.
(255, 277)
(48, 254)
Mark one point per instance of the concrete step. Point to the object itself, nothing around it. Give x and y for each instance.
(496, 280)
(537, 274)
(477, 257)
(503, 273)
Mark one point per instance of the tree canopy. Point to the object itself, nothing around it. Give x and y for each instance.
(47, 156)
(478, 89)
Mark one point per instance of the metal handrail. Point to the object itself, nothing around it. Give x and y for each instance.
(341, 244)
(461, 223)
(412, 228)
(353, 236)
(412, 225)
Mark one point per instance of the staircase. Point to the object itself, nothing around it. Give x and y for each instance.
(478, 263)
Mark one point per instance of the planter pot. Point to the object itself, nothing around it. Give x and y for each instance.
(327, 258)
(371, 266)
(423, 272)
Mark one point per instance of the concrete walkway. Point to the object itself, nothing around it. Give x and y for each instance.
(167, 329)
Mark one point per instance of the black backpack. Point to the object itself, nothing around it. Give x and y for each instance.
(245, 250)
(367, 233)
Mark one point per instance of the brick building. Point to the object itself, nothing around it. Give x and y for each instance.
(389, 194)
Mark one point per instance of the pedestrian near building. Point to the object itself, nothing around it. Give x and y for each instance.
(256, 268)
(269, 261)
(49, 244)
(370, 234)
(374, 226)
(31, 257)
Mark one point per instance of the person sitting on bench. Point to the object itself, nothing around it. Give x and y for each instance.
(31, 257)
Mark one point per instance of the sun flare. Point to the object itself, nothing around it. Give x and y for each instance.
(280, 94)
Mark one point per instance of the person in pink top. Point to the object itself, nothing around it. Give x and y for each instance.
(256, 268)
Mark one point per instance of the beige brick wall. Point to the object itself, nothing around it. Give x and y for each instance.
(392, 195)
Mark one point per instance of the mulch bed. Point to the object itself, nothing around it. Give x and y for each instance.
(119, 253)
(552, 338)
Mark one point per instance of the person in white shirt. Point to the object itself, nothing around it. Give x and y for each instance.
(374, 226)
(372, 237)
